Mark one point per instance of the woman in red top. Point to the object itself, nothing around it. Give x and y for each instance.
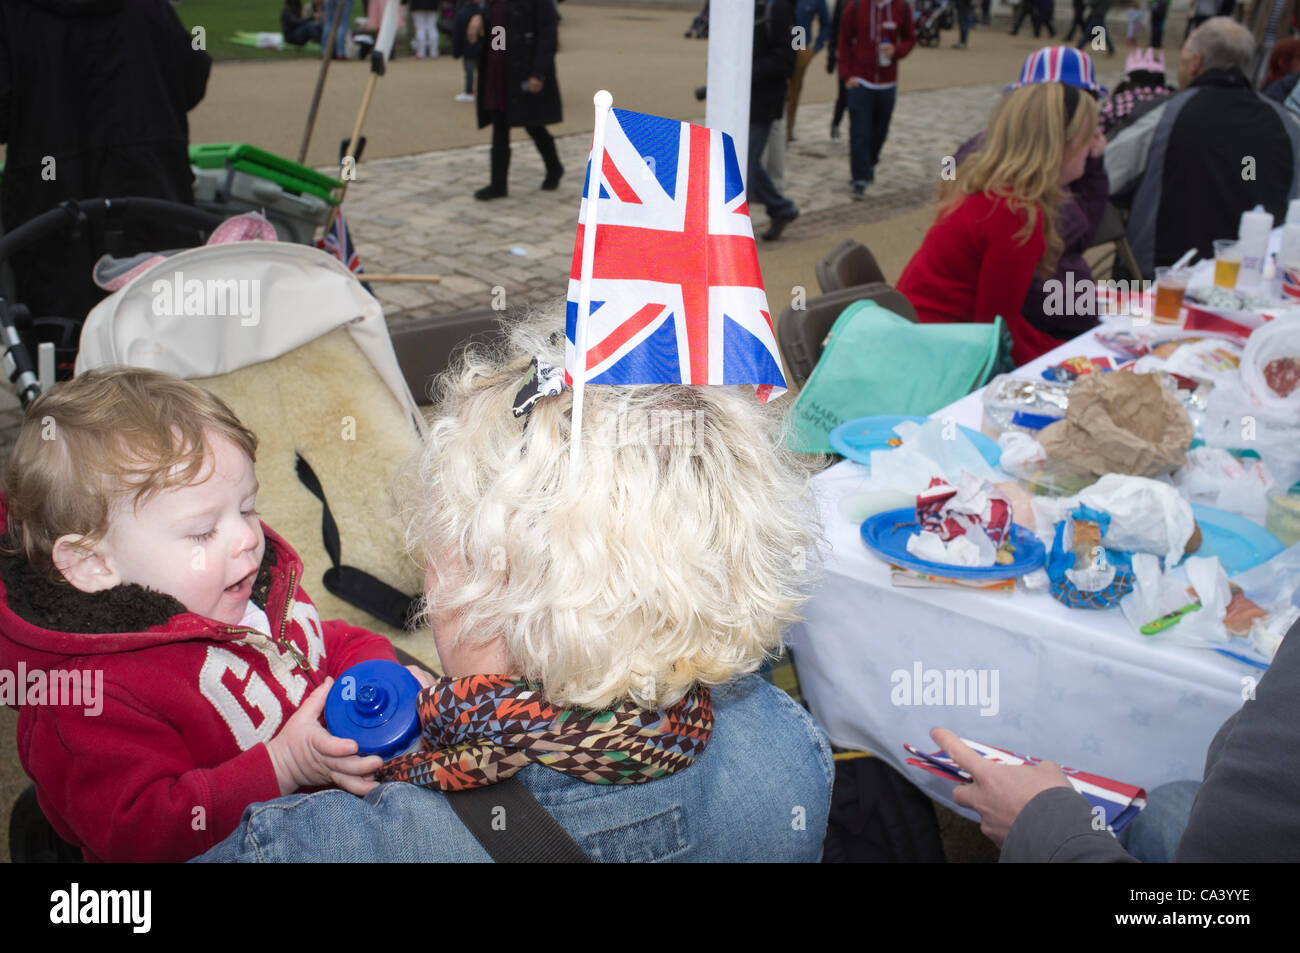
(997, 225)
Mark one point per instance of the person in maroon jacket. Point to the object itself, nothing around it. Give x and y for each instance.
(181, 669)
(1000, 222)
(874, 36)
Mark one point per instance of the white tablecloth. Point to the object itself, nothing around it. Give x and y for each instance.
(1073, 685)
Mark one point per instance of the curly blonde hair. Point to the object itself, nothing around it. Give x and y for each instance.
(674, 557)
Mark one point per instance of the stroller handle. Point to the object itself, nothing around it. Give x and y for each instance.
(70, 214)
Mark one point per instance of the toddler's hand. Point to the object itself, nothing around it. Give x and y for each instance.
(304, 754)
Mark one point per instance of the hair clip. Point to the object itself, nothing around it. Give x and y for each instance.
(542, 380)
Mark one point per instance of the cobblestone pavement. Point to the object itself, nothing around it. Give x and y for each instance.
(417, 214)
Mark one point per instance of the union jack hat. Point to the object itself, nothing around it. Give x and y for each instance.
(1059, 64)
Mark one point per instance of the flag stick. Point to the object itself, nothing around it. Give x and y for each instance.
(327, 54)
(603, 102)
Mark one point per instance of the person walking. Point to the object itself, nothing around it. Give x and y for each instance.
(340, 41)
(772, 64)
(1080, 20)
(805, 12)
(965, 20)
(518, 85)
(1046, 14)
(874, 36)
(1023, 9)
(1159, 10)
(832, 62)
(1097, 20)
(467, 43)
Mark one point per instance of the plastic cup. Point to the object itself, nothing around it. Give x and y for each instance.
(1170, 287)
(1227, 262)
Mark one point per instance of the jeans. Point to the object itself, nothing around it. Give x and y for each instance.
(760, 791)
(758, 184)
(469, 66)
(841, 104)
(1154, 834)
(965, 20)
(345, 23)
(869, 114)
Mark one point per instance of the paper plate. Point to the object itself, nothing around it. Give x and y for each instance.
(885, 535)
(857, 438)
(1239, 543)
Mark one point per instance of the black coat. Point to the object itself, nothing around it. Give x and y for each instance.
(774, 57)
(102, 87)
(530, 41)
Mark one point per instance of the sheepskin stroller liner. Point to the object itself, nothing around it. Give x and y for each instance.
(289, 338)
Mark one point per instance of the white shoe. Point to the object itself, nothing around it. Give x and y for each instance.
(464, 97)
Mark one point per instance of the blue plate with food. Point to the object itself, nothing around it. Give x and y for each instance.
(886, 534)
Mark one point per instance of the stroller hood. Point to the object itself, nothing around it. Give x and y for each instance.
(218, 308)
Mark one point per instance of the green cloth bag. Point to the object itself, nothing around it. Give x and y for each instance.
(876, 362)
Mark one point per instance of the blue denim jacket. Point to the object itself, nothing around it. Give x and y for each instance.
(760, 792)
(805, 11)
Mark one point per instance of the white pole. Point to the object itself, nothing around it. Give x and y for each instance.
(731, 54)
(603, 102)
(388, 29)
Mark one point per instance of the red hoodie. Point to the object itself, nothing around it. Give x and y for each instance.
(865, 25)
(167, 766)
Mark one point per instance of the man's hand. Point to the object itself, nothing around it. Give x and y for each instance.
(535, 84)
(306, 755)
(999, 792)
(887, 49)
(854, 81)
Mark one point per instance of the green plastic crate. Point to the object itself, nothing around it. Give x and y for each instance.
(289, 175)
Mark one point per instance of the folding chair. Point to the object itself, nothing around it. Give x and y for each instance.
(800, 333)
(847, 265)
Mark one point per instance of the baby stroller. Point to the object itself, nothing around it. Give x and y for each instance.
(316, 376)
(699, 29)
(932, 17)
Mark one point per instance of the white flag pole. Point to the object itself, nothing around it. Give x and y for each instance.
(603, 102)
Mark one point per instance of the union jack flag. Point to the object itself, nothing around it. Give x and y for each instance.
(676, 292)
(338, 242)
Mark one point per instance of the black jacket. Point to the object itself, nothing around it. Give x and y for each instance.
(1195, 161)
(774, 58)
(93, 103)
(530, 41)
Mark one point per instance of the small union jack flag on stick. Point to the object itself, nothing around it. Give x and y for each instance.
(338, 242)
(665, 286)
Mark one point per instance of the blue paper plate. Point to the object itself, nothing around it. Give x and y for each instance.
(887, 538)
(856, 439)
(1239, 543)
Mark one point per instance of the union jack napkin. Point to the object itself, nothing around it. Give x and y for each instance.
(1120, 802)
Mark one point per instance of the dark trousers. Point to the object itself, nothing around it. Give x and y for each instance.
(1158, 26)
(1044, 18)
(986, 7)
(1079, 22)
(544, 141)
(869, 114)
(1028, 8)
(758, 185)
(965, 20)
(469, 65)
(841, 103)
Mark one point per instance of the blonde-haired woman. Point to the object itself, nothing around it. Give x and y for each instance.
(998, 223)
(597, 628)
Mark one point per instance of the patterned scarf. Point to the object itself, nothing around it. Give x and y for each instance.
(483, 728)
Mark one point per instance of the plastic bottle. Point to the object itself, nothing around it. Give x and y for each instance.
(374, 703)
(1252, 237)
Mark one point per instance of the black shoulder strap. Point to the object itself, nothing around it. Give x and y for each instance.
(512, 825)
(352, 585)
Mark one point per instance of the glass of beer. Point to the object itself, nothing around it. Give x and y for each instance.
(1227, 262)
(1170, 286)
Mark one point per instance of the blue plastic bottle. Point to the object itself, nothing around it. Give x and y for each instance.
(374, 703)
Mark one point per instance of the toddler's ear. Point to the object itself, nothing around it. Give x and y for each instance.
(84, 568)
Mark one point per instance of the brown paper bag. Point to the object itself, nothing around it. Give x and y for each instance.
(1120, 422)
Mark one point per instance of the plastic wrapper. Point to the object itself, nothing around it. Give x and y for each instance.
(1146, 516)
(1215, 477)
(1156, 594)
(1007, 396)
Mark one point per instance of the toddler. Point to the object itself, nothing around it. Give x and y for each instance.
(1134, 23)
(133, 556)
